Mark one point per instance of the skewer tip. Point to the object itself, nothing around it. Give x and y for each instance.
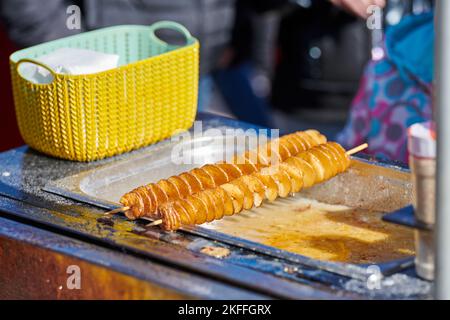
(357, 149)
(115, 211)
(154, 223)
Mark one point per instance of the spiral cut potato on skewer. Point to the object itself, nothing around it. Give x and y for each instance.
(145, 200)
(304, 170)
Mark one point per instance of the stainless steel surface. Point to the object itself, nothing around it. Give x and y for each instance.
(442, 114)
(425, 254)
(103, 187)
(424, 180)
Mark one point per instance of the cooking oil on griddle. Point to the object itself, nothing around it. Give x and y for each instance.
(321, 231)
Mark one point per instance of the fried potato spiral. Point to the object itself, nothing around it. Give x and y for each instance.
(306, 169)
(145, 200)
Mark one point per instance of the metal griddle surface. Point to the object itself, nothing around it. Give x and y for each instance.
(365, 188)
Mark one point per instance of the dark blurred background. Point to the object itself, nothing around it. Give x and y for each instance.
(9, 132)
(307, 58)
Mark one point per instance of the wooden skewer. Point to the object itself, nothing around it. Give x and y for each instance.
(158, 222)
(357, 149)
(154, 223)
(349, 153)
(115, 211)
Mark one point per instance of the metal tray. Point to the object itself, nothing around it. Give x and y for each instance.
(367, 185)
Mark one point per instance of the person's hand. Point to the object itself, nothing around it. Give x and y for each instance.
(358, 7)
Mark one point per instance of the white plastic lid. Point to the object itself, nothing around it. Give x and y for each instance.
(422, 140)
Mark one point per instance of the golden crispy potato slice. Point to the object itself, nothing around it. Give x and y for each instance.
(281, 179)
(170, 217)
(146, 200)
(292, 147)
(174, 187)
(206, 180)
(169, 189)
(165, 213)
(301, 140)
(217, 175)
(309, 140)
(316, 164)
(271, 188)
(134, 202)
(252, 159)
(327, 162)
(263, 155)
(274, 153)
(217, 203)
(317, 137)
(185, 218)
(228, 209)
(181, 186)
(209, 205)
(231, 169)
(154, 201)
(185, 212)
(308, 173)
(200, 209)
(190, 209)
(160, 195)
(295, 175)
(300, 144)
(228, 177)
(342, 153)
(334, 154)
(283, 151)
(193, 183)
(248, 195)
(174, 218)
(241, 173)
(305, 139)
(255, 186)
(246, 168)
(236, 195)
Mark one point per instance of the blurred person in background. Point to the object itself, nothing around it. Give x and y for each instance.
(396, 89)
(321, 55)
(359, 7)
(323, 52)
(244, 82)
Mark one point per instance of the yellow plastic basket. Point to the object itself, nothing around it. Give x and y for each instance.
(152, 94)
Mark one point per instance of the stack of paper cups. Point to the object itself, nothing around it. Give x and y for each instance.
(422, 160)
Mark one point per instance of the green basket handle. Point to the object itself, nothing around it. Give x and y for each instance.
(40, 64)
(171, 25)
